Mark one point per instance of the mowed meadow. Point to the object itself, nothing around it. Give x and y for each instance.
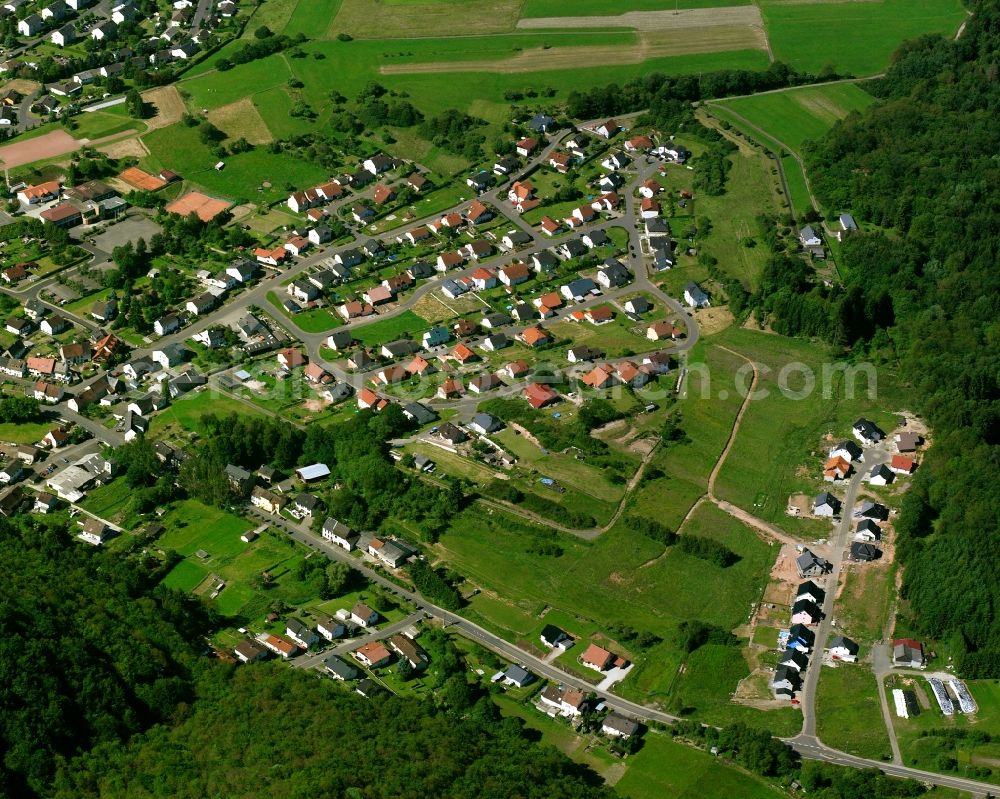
(794, 116)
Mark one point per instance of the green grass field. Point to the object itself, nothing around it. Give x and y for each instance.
(803, 422)
(798, 115)
(385, 330)
(312, 17)
(663, 768)
(177, 147)
(186, 413)
(848, 714)
(24, 432)
(107, 122)
(855, 38)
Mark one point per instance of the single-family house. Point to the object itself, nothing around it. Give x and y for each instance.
(809, 564)
(695, 297)
(363, 615)
(539, 395)
(843, 648)
(805, 612)
(613, 274)
(880, 475)
(867, 432)
(864, 552)
(826, 504)
(597, 658)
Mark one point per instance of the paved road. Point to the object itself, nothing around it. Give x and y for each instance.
(350, 645)
(838, 544)
(806, 745)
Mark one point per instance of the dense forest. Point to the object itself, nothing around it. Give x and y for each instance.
(925, 296)
(92, 651)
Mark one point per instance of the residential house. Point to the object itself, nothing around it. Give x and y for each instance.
(836, 468)
(793, 659)
(608, 129)
(826, 504)
(170, 355)
(579, 289)
(847, 450)
(301, 633)
(515, 238)
(495, 342)
(800, 637)
(908, 441)
(201, 304)
(616, 161)
(597, 658)
(615, 725)
(526, 146)
(870, 510)
(249, 652)
(574, 248)
(533, 336)
(517, 676)
(363, 615)
(267, 501)
(166, 324)
(811, 592)
(410, 651)
(544, 262)
(864, 552)
(539, 395)
(867, 432)
(900, 464)
(477, 213)
(355, 310)
(637, 306)
(613, 274)
(94, 532)
(843, 648)
(867, 530)
(695, 297)
(564, 701)
(549, 226)
(785, 682)
(880, 475)
(480, 182)
(515, 369)
(374, 655)
(809, 564)
(805, 612)
(279, 645)
(600, 315)
(339, 669)
(514, 274)
(553, 637)
(340, 534)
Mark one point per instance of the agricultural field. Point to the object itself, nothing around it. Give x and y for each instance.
(848, 714)
(854, 38)
(795, 116)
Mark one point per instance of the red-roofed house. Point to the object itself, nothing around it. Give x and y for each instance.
(526, 146)
(900, 464)
(549, 226)
(597, 658)
(291, 357)
(533, 336)
(374, 655)
(463, 354)
(600, 315)
(383, 194)
(539, 395)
